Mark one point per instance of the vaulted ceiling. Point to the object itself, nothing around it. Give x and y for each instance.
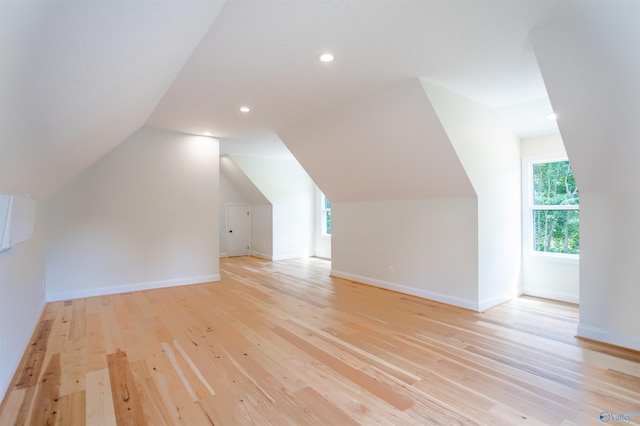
(77, 78)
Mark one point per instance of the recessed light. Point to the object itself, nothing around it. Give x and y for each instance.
(244, 109)
(207, 134)
(326, 57)
(552, 116)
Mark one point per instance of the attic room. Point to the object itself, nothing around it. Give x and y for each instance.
(129, 132)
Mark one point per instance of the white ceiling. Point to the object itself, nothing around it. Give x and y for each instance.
(78, 77)
(264, 54)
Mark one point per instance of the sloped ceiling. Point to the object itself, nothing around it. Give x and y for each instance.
(388, 146)
(591, 65)
(230, 170)
(77, 78)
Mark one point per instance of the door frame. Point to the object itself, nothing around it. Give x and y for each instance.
(227, 227)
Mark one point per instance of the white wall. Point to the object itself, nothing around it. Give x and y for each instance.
(22, 298)
(145, 215)
(291, 192)
(490, 154)
(610, 267)
(405, 144)
(427, 248)
(595, 91)
(545, 276)
(400, 196)
(262, 231)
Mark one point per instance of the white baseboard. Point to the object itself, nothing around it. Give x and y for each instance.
(278, 257)
(261, 255)
(425, 294)
(102, 291)
(490, 302)
(13, 366)
(289, 256)
(617, 339)
(223, 254)
(550, 294)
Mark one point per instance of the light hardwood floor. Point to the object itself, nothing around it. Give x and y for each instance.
(282, 343)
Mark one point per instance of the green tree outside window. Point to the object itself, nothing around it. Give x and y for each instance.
(555, 210)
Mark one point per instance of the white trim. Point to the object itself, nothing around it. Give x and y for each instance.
(290, 256)
(4, 387)
(494, 301)
(150, 285)
(528, 207)
(425, 294)
(261, 255)
(613, 338)
(550, 294)
(573, 259)
(223, 254)
(542, 207)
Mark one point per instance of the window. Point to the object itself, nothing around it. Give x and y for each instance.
(326, 216)
(554, 208)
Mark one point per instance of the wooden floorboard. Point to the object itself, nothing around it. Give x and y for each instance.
(283, 343)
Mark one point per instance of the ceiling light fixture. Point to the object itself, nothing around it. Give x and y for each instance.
(326, 57)
(552, 116)
(244, 109)
(207, 134)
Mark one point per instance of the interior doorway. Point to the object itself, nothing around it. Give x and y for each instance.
(238, 229)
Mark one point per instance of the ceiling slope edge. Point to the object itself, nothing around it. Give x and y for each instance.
(239, 179)
(387, 146)
(483, 142)
(590, 64)
(104, 69)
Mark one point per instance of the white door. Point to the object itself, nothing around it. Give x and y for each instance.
(238, 230)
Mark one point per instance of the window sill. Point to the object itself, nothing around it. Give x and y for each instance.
(573, 259)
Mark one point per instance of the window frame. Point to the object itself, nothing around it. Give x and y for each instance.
(529, 207)
(323, 211)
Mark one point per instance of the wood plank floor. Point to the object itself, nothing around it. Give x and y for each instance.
(282, 343)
